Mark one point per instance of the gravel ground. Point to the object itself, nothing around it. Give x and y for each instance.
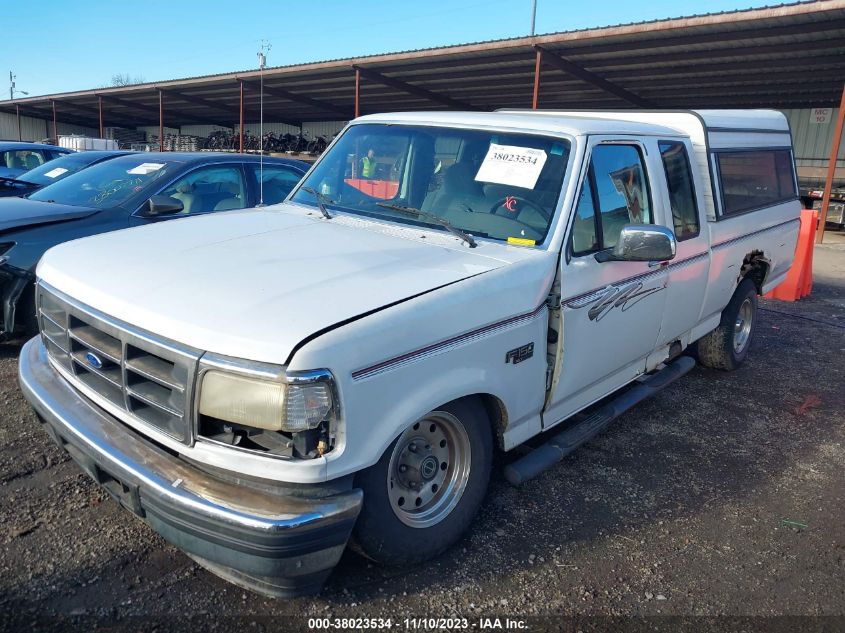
(721, 498)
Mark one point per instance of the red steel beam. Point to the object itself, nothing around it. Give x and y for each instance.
(537, 64)
(55, 124)
(357, 92)
(160, 121)
(241, 124)
(831, 168)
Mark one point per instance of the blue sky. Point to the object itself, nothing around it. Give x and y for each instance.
(57, 46)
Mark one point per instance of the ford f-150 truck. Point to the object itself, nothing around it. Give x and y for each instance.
(264, 386)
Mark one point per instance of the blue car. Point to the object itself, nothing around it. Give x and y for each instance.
(131, 190)
(53, 171)
(18, 157)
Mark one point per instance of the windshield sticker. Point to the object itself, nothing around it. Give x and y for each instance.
(145, 168)
(512, 165)
(55, 173)
(521, 241)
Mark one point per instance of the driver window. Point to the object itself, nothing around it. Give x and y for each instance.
(213, 188)
(617, 186)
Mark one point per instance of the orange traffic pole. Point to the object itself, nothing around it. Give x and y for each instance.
(831, 168)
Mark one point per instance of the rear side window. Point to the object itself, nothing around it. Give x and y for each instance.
(615, 193)
(751, 179)
(681, 189)
(278, 182)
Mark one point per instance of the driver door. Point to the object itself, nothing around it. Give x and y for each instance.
(610, 311)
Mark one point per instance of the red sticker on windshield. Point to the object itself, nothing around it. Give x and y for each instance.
(510, 204)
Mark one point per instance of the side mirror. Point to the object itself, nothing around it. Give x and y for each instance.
(162, 205)
(641, 243)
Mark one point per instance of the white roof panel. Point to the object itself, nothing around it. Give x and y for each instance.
(571, 123)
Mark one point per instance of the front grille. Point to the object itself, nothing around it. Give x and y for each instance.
(148, 378)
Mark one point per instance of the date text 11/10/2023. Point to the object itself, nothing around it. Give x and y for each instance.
(417, 624)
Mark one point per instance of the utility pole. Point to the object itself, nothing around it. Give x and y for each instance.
(12, 90)
(262, 62)
(533, 15)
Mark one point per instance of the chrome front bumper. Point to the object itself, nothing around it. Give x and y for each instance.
(276, 544)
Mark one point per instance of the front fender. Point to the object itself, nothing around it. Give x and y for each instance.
(395, 366)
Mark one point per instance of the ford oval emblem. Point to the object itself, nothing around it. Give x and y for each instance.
(94, 360)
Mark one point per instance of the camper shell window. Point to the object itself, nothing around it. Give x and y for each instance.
(755, 178)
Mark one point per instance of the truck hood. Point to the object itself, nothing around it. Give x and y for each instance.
(16, 213)
(253, 284)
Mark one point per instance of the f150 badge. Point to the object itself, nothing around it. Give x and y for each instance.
(520, 354)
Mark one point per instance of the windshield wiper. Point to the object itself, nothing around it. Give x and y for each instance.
(430, 217)
(321, 197)
(17, 181)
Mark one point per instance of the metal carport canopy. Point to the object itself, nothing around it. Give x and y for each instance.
(785, 56)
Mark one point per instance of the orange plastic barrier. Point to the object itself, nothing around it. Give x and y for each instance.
(383, 189)
(799, 279)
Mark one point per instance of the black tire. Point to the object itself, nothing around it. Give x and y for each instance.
(720, 349)
(379, 533)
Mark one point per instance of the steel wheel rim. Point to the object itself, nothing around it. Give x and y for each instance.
(429, 470)
(742, 326)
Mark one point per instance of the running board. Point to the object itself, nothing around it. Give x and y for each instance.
(562, 444)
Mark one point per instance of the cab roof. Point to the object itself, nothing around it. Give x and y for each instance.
(581, 123)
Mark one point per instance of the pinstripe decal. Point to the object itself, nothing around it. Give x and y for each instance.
(585, 298)
(752, 234)
(435, 348)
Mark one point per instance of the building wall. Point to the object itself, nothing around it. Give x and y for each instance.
(33, 129)
(152, 130)
(812, 137)
(324, 128)
(813, 140)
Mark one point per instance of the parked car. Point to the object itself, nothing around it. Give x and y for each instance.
(18, 157)
(261, 386)
(130, 190)
(53, 171)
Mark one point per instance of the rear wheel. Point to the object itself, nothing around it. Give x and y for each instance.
(427, 487)
(727, 346)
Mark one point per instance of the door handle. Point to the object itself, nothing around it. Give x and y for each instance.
(656, 264)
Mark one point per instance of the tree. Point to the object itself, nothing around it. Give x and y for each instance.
(123, 79)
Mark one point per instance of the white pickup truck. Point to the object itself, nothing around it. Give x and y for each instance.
(263, 386)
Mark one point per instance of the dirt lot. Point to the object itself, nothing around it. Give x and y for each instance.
(723, 496)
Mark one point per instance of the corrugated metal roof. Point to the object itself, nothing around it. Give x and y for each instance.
(788, 55)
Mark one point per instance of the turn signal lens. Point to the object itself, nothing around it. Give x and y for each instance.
(307, 406)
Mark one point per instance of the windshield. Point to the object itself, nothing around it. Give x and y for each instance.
(489, 184)
(109, 184)
(59, 168)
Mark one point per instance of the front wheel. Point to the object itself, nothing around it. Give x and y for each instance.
(727, 346)
(427, 487)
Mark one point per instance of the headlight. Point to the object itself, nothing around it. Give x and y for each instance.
(266, 404)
